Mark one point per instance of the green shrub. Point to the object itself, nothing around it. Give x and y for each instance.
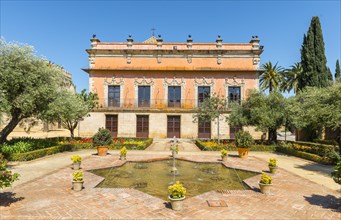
(177, 191)
(103, 137)
(326, 142)
(6, 176)
(244, 139)
(18, 147)
(302, 154)
(31, 155)
(265, 179)
(336, 174)
(208, 146)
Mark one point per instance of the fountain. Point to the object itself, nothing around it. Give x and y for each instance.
(174, 170)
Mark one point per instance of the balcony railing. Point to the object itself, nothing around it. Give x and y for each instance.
(147, 104)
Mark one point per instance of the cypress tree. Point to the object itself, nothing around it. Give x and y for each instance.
(330, 75)
(313, 58)
(337, 71)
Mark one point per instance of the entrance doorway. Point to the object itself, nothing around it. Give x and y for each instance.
(173, 126)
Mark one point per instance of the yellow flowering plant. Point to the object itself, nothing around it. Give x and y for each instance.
(177, 191)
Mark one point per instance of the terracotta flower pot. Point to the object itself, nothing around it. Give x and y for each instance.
(273, 169)
(77, 185)
(123, 157)
(265, 188)
(176, 203)
(102, 150)
(224, 158)
(243, 152)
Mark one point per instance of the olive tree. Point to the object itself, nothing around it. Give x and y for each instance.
(265, 112)
(317, 108)
(211, 109)
(70, 108)
(28, 84)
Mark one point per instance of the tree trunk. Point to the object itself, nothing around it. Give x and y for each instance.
(218, 130)
(340, 140)
(9, 127)
(272, 136)
(71, 127)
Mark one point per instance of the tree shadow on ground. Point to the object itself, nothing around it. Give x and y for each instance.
(326, 202)
(7, 198)
(319, 168)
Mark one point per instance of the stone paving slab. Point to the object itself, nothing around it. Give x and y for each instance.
(51, 196)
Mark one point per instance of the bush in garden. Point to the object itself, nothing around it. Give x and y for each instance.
(6, 176)
(103, 137)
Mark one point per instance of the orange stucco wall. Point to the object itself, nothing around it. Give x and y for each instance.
(158, 77)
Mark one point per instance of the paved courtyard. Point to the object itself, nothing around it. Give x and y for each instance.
(50, 196)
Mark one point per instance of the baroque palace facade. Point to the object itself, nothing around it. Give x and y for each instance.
(151, 88)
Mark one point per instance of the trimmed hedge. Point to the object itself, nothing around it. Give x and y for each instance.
(116, 146)
(321, 150)
(231, 147)
(39, 153)
(304, 155)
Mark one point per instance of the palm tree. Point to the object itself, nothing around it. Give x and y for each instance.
(271, 78)
(291, 78)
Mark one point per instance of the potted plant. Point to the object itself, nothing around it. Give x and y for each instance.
(244, 142)
(123, 153)
(76, 161)
(176, 195)
(77, 181)
(273, 165)
(224, 155)
(265, 184)
(102, 139)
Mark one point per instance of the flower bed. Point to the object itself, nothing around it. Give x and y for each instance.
(24, 149)
(229, 145)
(321, 153)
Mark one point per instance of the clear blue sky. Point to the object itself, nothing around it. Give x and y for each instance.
(60, 30)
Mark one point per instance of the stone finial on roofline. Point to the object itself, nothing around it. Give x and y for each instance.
(94, 41)
(255, 42)
(189, 41)
(159, 41)
(219, 42)
(130, 41)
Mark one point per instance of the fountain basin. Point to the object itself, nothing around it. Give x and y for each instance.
(155, 177)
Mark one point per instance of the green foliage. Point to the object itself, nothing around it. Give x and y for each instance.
(18, 147)
(211, 109)
(337, 71)
(266, 112)
(76, 159)
(302, 154)
(31, 155)
(123, 152)
(291, 78)
(313, 58)
(223, 153)
(229, 146)
(266, 179)
(28, 84)
(103, 137)
(271, 78)
(316, 107)
(78, 176)
(272, 162)
(336, 174)
(177, 190)
(244, 139)
(70, 108)
(6, 176)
